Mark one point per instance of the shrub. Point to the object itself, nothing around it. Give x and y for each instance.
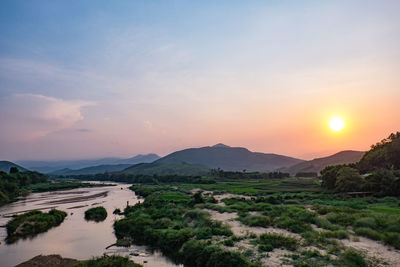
(392, 239)
(339, 234)
(278, 241)
(341, 218)
(117, 211)
(293, 225)
(255, 220)
(198, 254)
(369, 222)
(352, 258)
(324, 223)
(96, 214)
(229, 243)
(368, 232)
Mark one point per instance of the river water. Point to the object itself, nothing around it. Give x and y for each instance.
(75, 237)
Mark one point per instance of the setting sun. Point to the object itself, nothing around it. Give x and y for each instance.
(336, 124)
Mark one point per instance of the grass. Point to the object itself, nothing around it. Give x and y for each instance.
(256, 187)
(173, 220)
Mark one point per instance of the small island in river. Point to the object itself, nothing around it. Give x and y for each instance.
(96, 214)
(32, 223)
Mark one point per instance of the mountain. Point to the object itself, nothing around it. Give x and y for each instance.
(161, 168)
(219, 156)
(91, 170)
(6, 165)
(53, 166)
(318, 164)
(230, 158)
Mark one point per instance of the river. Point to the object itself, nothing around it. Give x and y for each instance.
(75, 237)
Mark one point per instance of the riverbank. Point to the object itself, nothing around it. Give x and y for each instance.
(75, 238)
(58, 261)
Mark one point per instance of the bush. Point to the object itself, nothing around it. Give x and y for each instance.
(392, 239)
(278, 241)
(255, 220)
(199, 254)
(229, 243)
(341, 218)
(369, 222)
(339, 234)
(368, 232)
(96, 214)
(352, 258)
(293, 225)
(324, 223)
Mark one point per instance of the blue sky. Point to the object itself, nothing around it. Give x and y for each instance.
(115, 78)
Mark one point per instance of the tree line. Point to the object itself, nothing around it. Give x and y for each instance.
(14, 184)
(378, 171)
(219, 173)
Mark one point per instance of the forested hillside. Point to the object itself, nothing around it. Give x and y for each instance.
(377, 172)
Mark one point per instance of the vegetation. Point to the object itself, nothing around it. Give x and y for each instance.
(168, 220)
(270, 241)
(108, 261)
(143, 178)
(56, 185)
(32, 223)
(175, 221)
(96, 214)
(232, 175)
(15, 183)
(383, 155)
(380, 167)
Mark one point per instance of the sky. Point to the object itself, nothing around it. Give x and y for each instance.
(91, 79)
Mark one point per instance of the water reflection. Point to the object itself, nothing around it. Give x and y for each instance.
(75, 237)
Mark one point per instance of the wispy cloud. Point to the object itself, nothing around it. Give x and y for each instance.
(30, 116)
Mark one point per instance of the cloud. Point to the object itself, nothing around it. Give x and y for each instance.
(31, 116)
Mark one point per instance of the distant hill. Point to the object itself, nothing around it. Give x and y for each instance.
(318, 164)
(230, 158)
(6, 165)
(161, 168)
(92, 170)
(219, 156)
(55, 166)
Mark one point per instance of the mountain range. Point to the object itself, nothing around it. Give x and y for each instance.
(192, 161)
(62, 165)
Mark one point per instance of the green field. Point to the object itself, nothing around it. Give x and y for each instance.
(257, 187)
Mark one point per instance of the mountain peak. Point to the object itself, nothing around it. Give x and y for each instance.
(220, 145)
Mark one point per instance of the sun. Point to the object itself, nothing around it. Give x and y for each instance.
(336, 124)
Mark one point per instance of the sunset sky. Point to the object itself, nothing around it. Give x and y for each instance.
(85, 79)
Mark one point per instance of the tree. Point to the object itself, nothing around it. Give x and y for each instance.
(384, 182)
(348, 179)
(14, 170)
(329, 176)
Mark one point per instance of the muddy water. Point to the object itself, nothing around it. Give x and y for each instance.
(75, 237)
